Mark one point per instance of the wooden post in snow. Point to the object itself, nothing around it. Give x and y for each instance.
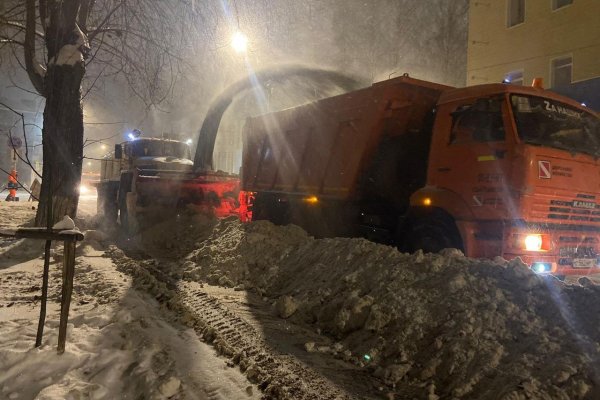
(67, 289)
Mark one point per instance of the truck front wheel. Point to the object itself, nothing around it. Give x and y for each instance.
(432, 233)
(128, 214)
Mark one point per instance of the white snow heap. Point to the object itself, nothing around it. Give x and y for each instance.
(70, 54)
(65, 224)
(473, 328)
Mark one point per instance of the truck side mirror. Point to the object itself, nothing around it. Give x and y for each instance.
(118, 152)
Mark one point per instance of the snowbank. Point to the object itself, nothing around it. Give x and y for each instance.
(442, 324)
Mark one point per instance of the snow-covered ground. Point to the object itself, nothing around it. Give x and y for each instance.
(302, 318)
(121, 342)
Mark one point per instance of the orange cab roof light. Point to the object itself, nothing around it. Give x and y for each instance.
(537, 83)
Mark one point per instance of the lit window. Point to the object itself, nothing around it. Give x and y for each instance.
(556, 4)
(514, 78)
(516, 12)
(561, 71)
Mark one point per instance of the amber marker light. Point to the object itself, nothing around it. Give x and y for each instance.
(537, 83)
(426, 201)
(311, 199)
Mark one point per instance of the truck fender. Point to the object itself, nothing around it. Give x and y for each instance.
(444, 199)
(446, 206)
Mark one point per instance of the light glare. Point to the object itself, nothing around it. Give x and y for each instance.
(239, 42)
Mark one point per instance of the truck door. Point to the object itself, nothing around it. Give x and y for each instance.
(475, 159)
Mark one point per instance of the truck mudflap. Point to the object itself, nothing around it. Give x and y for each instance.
(246, 201)
(211, 193)
(557, 250)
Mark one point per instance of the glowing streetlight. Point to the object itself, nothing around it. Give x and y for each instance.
(239, 42)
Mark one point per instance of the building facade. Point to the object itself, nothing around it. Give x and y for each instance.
(518, 40)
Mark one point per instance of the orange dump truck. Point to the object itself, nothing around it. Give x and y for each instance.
(494, 170)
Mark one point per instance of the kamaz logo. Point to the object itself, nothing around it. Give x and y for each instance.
(583, 204)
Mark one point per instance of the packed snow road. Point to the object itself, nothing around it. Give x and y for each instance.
(270, 351)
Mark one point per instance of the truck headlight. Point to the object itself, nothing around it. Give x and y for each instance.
(541, 267)
(533, 242)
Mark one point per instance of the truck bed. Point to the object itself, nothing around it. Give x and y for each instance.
(322, 148)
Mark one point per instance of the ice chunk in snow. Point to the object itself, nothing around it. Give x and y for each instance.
(64, 224)
(170, 387)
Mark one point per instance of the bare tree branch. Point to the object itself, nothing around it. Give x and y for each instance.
(20, 27)
(32, 66)
(97, 30)
(26, 160)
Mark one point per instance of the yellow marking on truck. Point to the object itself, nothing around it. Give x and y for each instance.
(490, 157)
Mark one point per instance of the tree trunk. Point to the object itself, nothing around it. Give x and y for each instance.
(62, 137)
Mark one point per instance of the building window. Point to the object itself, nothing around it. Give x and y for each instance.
(562, 69)
(516, 12)
(556, 4)
(514, 78)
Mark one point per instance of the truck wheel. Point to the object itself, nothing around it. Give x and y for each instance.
(269, 207)
(128, 216)
(433, 233)
(107, 204)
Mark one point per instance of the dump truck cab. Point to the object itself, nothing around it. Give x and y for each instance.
(121, 172)
(516, 169)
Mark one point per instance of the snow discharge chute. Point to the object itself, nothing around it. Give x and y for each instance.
(208, 132)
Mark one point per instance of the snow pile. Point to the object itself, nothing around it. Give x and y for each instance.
(440, 324)
(243, 255)
(175, 234)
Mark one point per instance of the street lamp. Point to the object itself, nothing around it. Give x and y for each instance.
(239, 42)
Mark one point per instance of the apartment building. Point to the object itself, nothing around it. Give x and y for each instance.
(518, 40)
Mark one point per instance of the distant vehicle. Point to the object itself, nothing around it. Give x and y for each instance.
(156, 175)
(493, 170)
(89, 181)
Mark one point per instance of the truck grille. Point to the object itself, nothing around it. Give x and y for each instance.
(582, 208)
(577, 248)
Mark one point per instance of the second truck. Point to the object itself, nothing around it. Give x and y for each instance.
(148, 179)
(494, 170)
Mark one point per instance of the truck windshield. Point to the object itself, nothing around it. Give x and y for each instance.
(159, 148)
(550, 123)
